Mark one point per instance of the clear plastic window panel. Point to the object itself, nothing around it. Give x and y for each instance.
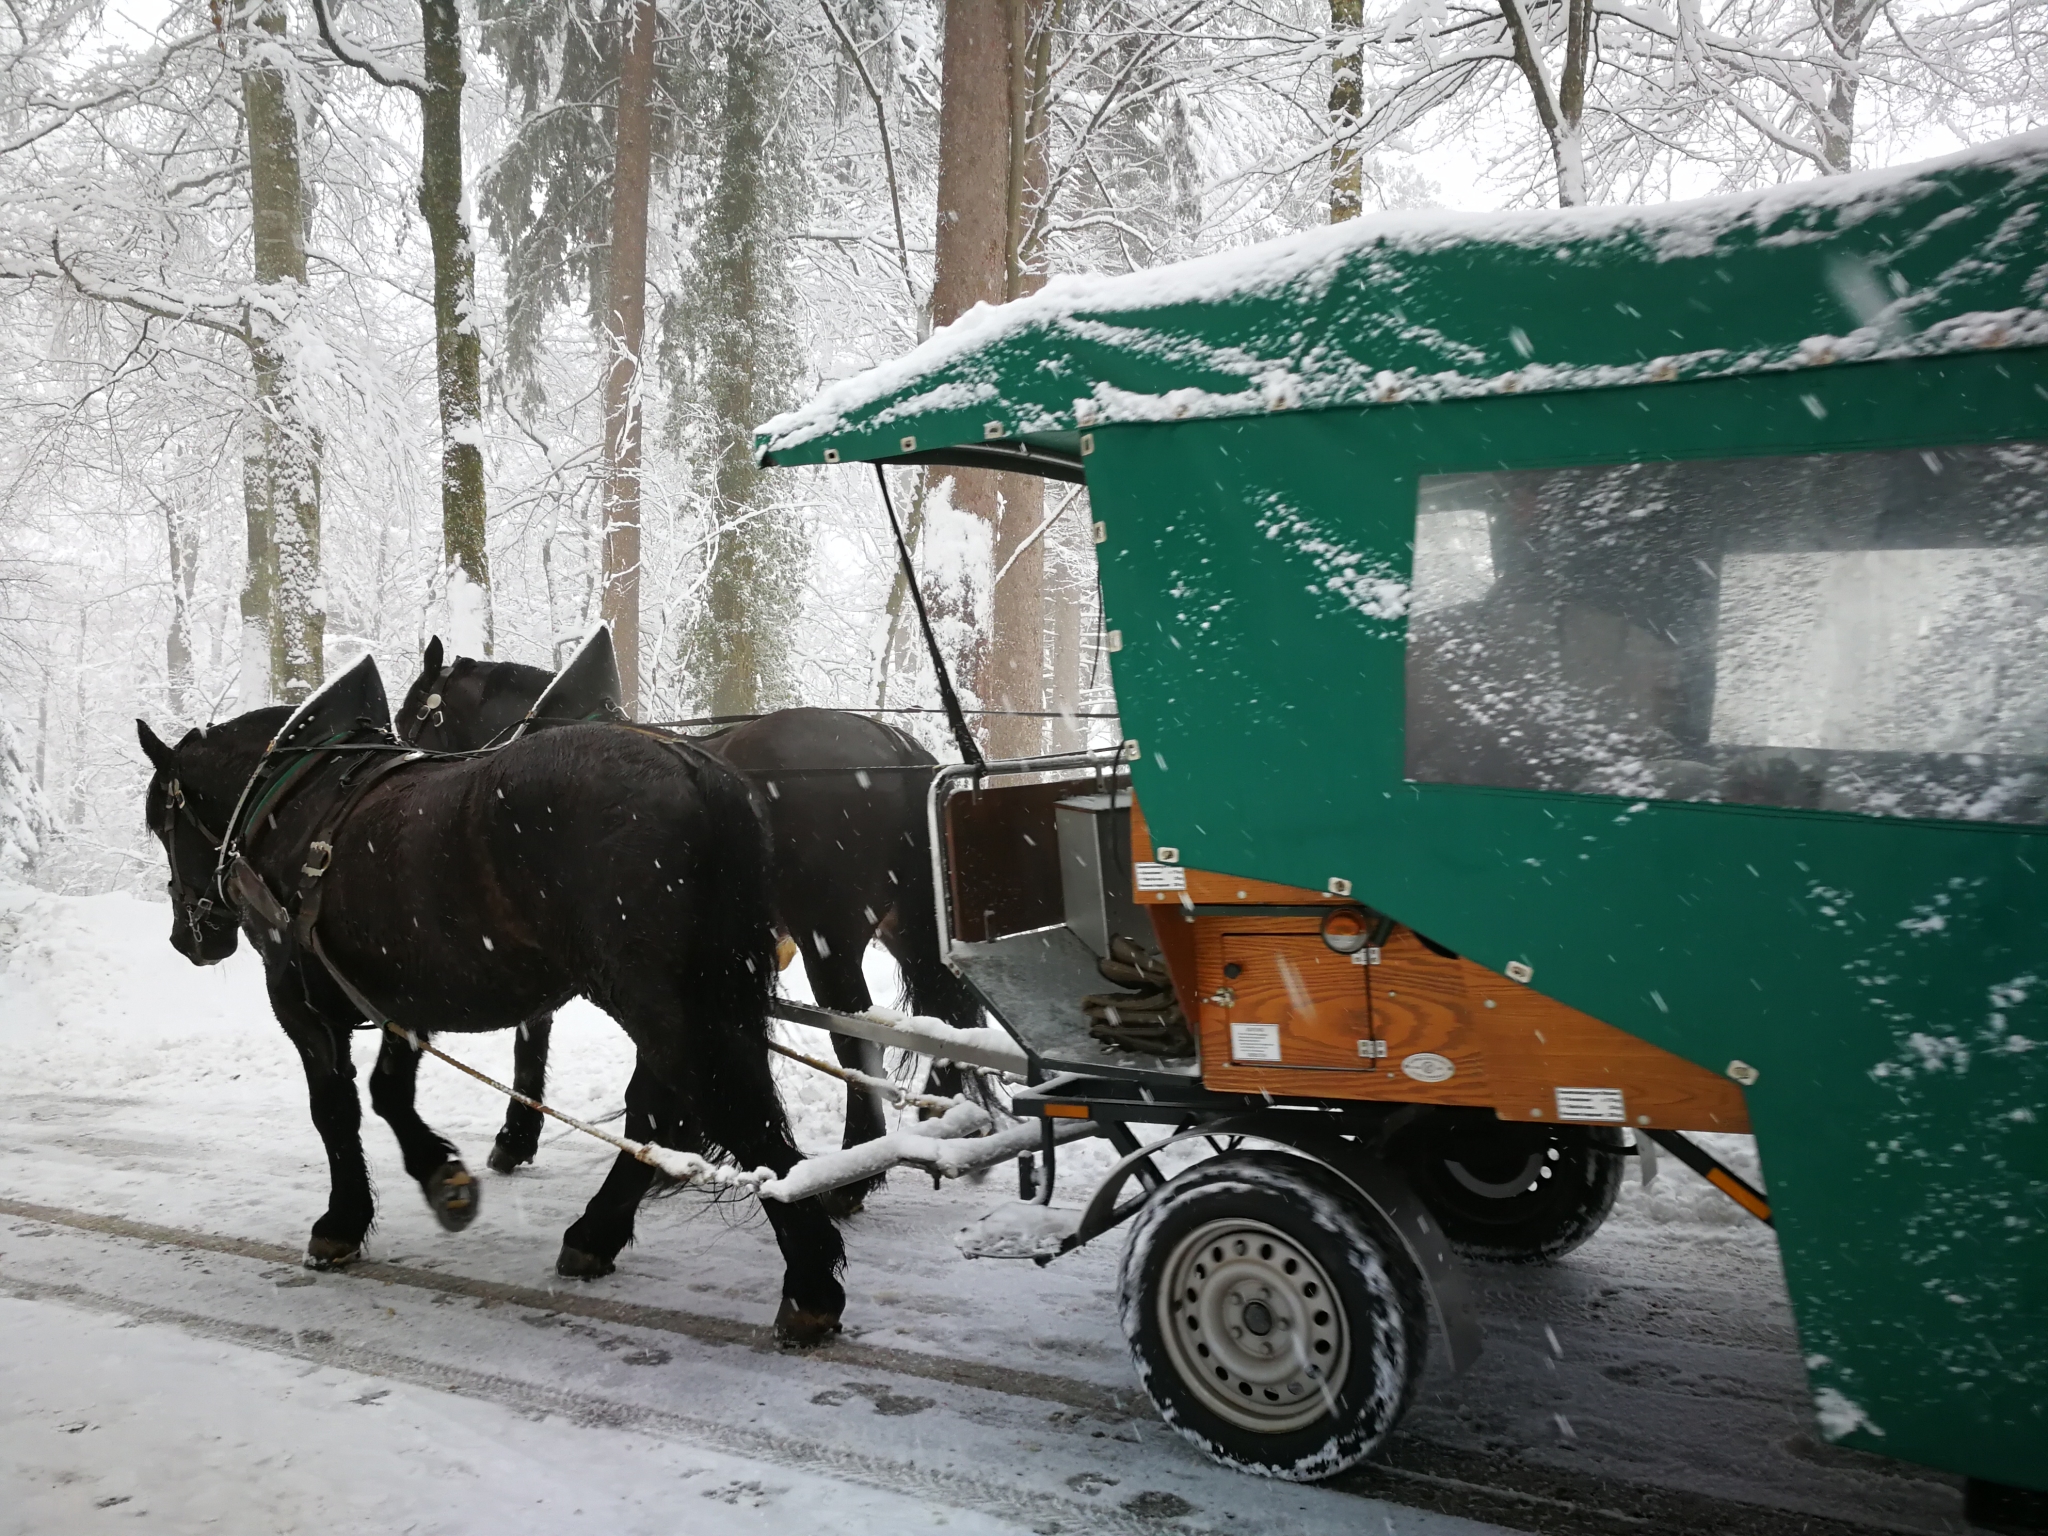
(1863, 632)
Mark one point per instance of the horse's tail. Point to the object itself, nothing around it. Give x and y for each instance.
(731, 948)
(930, 986)
(731, 979)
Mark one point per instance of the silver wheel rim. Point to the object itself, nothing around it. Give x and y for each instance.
(1253, 1326)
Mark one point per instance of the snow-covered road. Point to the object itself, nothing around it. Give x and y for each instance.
(172, 1359)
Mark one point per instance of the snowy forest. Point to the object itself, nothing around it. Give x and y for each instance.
(339, 324)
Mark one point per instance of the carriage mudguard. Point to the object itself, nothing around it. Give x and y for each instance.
(1378, 1184)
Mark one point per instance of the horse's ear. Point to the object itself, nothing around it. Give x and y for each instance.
(431, 662)
(159, 754)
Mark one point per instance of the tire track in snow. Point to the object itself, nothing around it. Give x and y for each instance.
(706, 1329)
(955, 1490)
(1419, 1474)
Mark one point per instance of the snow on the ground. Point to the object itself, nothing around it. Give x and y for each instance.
(1661, 1354)
(104, 1419)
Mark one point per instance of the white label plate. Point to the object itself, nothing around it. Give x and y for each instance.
(1253, 1042)
(1163, 877)
(1590, 1104)
(1428, 1067)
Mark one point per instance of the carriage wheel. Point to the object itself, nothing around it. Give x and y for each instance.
(1275, 1319)
(1509, 1192)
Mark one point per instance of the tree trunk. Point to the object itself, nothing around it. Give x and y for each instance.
(991, 175)
(259, 577)
(1069, 732)
(78, 719)
(974, 159)
(902, 646)
(184, 550)
(625, 327)
(457, 346)
(290, 472)
(1568, 143)
(1847, 24)
(744, 355)
(1347, 102)
(1560, 106)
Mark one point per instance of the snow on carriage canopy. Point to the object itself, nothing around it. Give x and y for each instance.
(1935, 259)
(1644, 603)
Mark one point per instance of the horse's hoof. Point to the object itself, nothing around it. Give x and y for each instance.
(799, 1328)
(331, 1252)
(454, 1195)
(575, 1264)
(506, 1156)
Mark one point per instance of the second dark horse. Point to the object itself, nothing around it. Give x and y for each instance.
(844, 797)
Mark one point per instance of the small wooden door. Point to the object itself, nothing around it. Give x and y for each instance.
(1297, 1003)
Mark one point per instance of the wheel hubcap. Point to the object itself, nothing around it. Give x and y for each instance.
(1253, 1325)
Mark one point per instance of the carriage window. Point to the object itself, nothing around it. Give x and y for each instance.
(1854, 632)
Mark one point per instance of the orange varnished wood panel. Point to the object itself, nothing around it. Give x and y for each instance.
(1175, 934)
(1420, 1010)
(1207, 888)
(1535, 1046)
(1508, 1046)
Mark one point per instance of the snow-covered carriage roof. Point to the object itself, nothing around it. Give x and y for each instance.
(1947, 256)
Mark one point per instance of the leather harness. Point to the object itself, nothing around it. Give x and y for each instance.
(242, 887)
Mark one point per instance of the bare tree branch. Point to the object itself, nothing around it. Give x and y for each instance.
(888, 152)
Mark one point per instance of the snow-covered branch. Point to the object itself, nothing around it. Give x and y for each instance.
(357, 58)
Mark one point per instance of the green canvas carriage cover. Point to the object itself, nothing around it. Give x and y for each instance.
(1371, 494)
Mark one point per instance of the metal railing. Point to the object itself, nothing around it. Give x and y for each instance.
(1099, 763)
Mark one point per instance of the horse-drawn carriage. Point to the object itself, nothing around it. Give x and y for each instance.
(1587, 673)
(1585, 679)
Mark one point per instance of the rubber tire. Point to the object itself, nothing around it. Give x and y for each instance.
(1566, 1207)
(1378, 1285)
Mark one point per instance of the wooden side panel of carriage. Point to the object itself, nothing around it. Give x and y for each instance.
(1347, 1031)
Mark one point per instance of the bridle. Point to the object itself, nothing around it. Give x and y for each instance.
(199, 901)
(234, 885)
(430, 708)
(196, 903)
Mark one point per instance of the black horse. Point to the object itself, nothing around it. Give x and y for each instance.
(477, 893)
(844, 799)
